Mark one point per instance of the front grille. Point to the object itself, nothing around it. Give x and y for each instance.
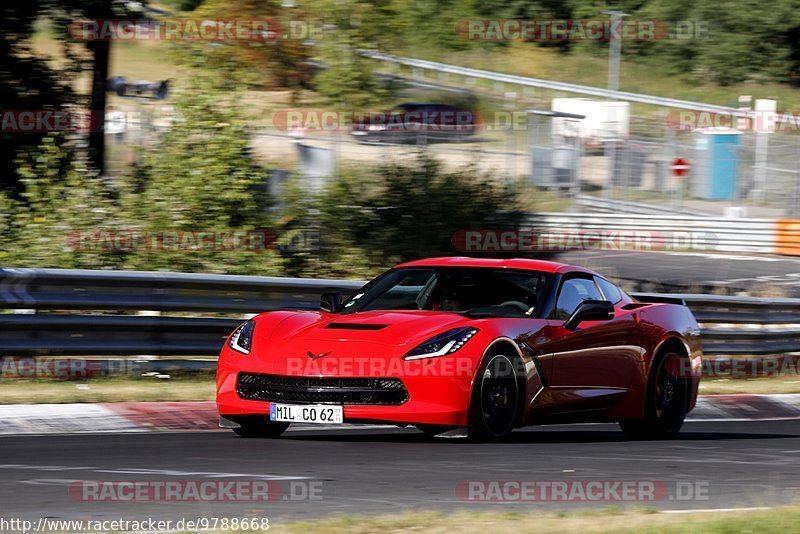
(302, 390)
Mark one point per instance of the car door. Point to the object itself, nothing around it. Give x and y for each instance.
(594, 365)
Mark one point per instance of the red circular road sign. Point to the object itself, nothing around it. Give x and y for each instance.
(680, 167)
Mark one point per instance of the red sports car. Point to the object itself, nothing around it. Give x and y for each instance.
(483, 344)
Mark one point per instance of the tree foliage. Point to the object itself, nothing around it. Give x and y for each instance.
(201, 176)
(60, 198)
(198, 177)
(399, 211)
(725, 41)
(347, 78)
(278, 58)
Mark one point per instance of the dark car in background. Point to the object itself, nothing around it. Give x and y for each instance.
(415, 122)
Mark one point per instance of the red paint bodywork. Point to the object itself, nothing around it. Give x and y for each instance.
(598, 372)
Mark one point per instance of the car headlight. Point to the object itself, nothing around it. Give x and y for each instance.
(376, 127)
(242, 338)
(443, 344)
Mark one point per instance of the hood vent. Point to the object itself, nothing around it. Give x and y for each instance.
(356, 326)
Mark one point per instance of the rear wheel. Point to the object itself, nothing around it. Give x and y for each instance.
(260, 428)
(665, 407)
(495, 399)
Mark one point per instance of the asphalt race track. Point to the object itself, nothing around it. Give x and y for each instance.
(386, 470)
(692, 272)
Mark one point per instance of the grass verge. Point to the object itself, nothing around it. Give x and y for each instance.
(774, 520)
(20, 391)
(201, 388)
(763, 386)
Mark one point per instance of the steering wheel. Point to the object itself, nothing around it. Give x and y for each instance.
(524, 308)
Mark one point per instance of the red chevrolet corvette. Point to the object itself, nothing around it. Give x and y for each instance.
(483, 344)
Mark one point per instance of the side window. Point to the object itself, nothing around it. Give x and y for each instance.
(610, 291)
(573, 292)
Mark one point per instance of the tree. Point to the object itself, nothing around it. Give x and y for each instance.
(347, 78)
(61, 197)
(279, 58)
(421, 206)
(29, 82)
(374, 218)
(201, 176)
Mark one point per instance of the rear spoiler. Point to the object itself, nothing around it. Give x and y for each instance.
(659, 299)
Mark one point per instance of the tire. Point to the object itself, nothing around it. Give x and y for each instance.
(495, 399)
(665, 404)
(260, 428)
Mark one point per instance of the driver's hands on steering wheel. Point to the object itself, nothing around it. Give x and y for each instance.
(524, 308)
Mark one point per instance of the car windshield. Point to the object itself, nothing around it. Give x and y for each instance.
(471, 291)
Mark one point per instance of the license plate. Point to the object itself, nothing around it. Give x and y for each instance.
(308, 413)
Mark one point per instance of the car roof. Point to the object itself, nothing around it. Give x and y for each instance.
(498, 263)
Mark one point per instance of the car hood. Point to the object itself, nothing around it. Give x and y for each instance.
(389, 328)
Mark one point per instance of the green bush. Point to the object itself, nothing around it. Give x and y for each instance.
(371, 219)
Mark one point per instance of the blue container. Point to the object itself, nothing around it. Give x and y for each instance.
(715, 174)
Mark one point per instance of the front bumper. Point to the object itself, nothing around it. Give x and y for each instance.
(436, 395)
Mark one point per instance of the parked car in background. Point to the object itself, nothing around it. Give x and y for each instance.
(415, 122)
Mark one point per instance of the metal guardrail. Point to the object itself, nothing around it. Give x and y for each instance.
(606, 205)
(112, 335)
(552, 85)
(74, 289)
(731, 325)
(51, 292)
(745, 325)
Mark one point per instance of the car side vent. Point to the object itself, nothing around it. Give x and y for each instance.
(635, 305)
(659, 299)
(356, 326)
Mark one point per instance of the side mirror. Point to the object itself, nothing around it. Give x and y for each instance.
(330, 302)
(590, 310)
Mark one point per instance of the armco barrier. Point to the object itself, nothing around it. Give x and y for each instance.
(596, 204)
(787, 237)
(731, 325)
(75, 289)
(562, 87)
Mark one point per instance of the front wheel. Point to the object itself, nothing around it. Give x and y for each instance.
(665, 407)
(260, 428)
(495, 400)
